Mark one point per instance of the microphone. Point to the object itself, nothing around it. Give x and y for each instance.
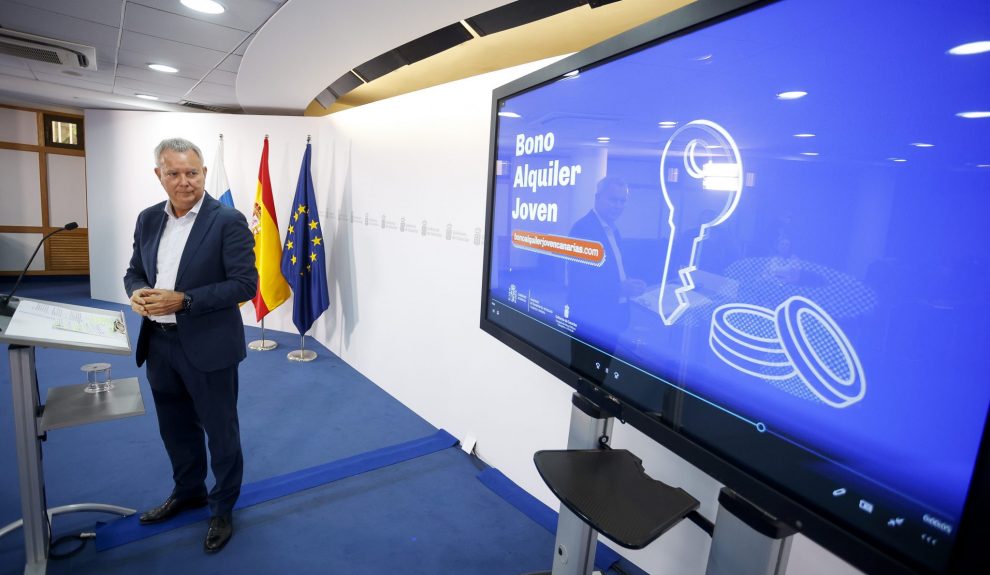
(5, 308)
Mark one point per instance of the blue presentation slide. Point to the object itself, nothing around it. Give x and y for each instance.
(783, 215)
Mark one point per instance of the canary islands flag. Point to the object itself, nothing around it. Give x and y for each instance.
(221, 189)
(272, 289)
(304, 256)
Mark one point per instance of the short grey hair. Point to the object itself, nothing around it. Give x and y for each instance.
(175, 145)
(607, 183)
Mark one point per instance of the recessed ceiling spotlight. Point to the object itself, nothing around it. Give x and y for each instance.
(573, 74)
(604, 139)
(163, 68)
(974, 114)
(792, 95)
(922, 145)
(706, 58)
(146, 96)
(971, 48)
(667, 124)
(204, 6)
(809, 153)
(804, 135)
(509, 115)
(898, 160)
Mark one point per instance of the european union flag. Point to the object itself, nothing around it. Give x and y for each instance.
(303, 255)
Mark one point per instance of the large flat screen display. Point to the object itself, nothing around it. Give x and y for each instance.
(763, 230)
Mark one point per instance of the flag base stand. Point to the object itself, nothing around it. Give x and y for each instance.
(262, 344)
(301, 355)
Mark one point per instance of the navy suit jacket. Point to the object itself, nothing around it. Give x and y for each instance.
(216, 269)
(595, 293)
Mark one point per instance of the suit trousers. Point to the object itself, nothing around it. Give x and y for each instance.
(196, 409)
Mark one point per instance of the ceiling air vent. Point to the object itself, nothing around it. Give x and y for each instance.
(48, 50)
(209, 107)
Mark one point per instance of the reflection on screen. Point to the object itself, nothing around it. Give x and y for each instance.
(781, 217)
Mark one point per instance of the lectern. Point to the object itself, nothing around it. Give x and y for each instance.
(37, 323)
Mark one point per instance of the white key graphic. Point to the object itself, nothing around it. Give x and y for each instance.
(701, 178)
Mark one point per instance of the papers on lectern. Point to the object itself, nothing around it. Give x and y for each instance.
(42, 321)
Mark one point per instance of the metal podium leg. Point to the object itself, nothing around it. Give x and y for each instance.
(72, 508)
(574, 550)
(26, 402)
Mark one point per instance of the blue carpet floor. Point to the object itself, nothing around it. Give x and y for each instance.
(426, 515)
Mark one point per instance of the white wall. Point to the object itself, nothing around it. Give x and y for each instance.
(67, 190)
(19, 189)
(421, 157)
(405, 307)
(15, 249)
(18, 126)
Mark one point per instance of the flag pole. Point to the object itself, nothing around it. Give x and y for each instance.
(306, 264)
(302, 354)
(263, 344)
(272, 287)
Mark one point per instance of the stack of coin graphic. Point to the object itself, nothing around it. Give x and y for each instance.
(746, 337)
(799, 339)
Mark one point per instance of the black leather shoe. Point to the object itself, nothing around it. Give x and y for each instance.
(221, 528)
(170, 508)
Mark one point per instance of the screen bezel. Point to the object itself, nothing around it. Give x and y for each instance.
(859, 550)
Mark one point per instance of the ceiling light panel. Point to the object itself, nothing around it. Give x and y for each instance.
(204, 6)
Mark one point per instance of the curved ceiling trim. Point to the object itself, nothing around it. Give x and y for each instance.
(308, 43)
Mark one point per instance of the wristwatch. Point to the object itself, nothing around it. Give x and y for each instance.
(186, 303)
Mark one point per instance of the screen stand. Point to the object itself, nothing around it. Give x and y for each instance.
(574, 549)
(747, 541)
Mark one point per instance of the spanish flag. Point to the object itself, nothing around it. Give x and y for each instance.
(272, 287)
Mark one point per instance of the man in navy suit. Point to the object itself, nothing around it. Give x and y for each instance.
(598, 296)
(193, 263)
